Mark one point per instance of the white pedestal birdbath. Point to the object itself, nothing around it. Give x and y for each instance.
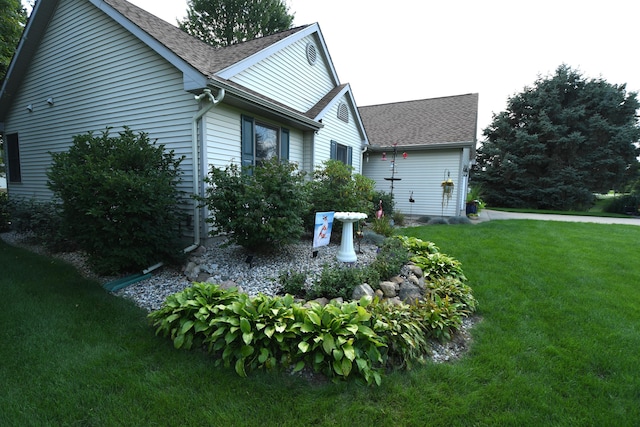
(347, 253)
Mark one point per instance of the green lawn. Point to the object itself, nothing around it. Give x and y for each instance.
(558, 345)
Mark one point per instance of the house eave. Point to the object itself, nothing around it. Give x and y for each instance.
(250, 102)
(29, 40)
(422, 147)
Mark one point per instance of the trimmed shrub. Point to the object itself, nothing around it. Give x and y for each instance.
(42, 222)
(5, 217)
(336, 188)
(119, 199)
(628, 204)
(261, 207)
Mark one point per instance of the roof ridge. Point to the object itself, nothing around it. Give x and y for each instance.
(419, 100)
(203, 56)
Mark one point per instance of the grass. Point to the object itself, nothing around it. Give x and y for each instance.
(558, 345)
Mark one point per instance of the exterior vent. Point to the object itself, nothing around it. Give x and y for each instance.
(312, 53)
(343, 112)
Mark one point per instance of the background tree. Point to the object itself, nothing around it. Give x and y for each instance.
(558, 142)
(225, 22)
(12, 20)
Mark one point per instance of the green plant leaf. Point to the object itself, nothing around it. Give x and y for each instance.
(315, 319)
(349, 352)
(299, 366)
(264, 355)
(246, 351)
(245, 326)
(269, 330)
(247, 337)
(240, 368)
(328, 343)
(303, 346)
(338, 354)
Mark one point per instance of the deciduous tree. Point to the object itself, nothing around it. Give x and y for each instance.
(558, 142)
(226, 22)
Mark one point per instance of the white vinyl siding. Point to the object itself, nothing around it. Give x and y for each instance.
(422, 173)
(99, 76)
(288, 78)
(346, 134)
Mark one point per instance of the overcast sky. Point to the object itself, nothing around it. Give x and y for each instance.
(402, 50)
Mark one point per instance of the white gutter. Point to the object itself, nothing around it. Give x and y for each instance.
(206, 93)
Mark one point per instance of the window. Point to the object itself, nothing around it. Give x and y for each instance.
(13, 158)
(266, 143)
(342, 153)
(261, 142)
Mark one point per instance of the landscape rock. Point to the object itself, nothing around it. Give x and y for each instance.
(410, 293)
(415, 270)
(362, 290)
(388, 289)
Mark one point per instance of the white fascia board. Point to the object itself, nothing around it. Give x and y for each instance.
(193, 79)
(249, 61)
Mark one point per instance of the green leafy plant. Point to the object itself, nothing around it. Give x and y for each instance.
(5, 216)
(266, 332)
(293, 282)
(382, 226)
(42, 222)
(337, 282)
(261, 207)
(336, 188)
(119, 199)
(445, 279)
(391, 257)
(404, 330)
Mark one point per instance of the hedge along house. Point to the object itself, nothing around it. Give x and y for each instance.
(85, 65)
(434, 140)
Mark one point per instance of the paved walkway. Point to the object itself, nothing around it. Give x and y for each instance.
(489, 215)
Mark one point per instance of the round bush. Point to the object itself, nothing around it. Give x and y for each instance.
(119, 199)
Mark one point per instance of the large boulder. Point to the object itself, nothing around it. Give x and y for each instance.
(409, 292)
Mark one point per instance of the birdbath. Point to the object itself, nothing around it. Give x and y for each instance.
(347, 253)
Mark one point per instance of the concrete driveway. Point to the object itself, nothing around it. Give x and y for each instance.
(489, 215)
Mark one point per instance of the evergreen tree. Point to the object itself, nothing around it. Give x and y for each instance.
(558, 142)
(226, 22)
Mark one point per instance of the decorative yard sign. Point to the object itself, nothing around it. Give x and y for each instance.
(322, 229)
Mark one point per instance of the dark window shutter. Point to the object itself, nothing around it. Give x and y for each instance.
(247, 136)
(350, 156)
(13, 158)
(334, 150)
(284, 144)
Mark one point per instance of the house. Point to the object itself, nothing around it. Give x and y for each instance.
(85, 65)
(432, 140)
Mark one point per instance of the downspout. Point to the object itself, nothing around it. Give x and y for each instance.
(206, 94)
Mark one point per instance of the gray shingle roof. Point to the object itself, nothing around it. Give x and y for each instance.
(202, 56)
(425, 122)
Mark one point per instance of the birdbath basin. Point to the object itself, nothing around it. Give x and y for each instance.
(347, 253)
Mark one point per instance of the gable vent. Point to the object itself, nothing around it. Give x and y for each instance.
(312, 53)
(343, 112)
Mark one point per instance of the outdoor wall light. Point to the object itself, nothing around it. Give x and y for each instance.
(30, 108)
(50, 101)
